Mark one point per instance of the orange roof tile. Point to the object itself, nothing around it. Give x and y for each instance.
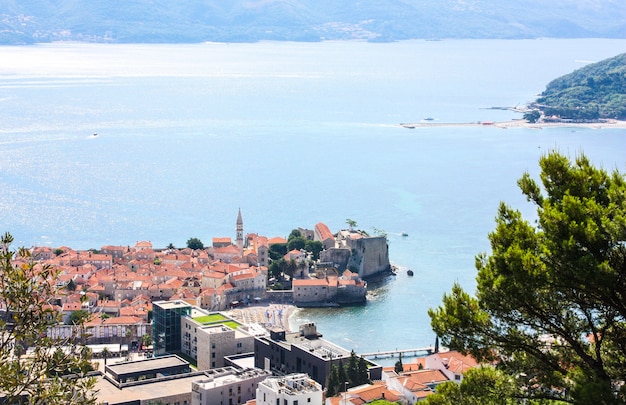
(323, 231)
(275, 240)
(312, 282)
(427, 376)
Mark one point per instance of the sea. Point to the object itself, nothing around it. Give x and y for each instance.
(107, 144)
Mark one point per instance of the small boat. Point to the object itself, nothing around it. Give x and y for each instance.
(404, 234)
(429, 119)
(409, 272)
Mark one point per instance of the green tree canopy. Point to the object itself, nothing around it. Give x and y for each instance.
(532, 116)
(195, 244)
(597, 90)
(277, 251)
(296, 243)
(146, 340)
(481, 385)
(550, 304)
(78, 317)
(315, 247)
(42, 377)
(295, 233)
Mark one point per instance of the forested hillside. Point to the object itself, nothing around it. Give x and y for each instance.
(165, 21)
(595, 91)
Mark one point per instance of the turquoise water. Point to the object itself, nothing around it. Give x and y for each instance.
(293, 134)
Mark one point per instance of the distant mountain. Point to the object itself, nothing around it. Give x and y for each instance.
(597, 90)
(167, 21)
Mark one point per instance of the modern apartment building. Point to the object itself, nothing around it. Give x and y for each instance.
(166, 331)
(227, 386)
(302, 352)
(292, 389)
(206, 337)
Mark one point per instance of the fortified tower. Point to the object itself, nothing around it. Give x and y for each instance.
(239, 231)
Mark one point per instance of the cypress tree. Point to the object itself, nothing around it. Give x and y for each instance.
(363, 373)
(353, 369)
(333, 382)
(343, 376)
(399, 367)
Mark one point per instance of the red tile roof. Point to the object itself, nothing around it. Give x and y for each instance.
(323, 231)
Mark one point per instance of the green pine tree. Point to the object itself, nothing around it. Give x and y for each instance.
(399, 367)
(333, 382)
(353, 369)
(363, 372)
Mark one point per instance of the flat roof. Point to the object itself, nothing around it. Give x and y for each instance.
(171, 304)
(109, 393)
(210, 318)
(146, 365)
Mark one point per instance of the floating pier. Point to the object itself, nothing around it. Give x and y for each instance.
(393, 353)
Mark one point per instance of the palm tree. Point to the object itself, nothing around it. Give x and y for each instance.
(129, 334)
(105, 355)
(146, 340)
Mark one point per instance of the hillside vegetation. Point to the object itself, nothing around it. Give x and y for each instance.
(595, 91)
(165, 21)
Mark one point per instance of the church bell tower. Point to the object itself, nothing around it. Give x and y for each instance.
(239, 231)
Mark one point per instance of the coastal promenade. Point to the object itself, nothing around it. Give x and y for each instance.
(519, 124)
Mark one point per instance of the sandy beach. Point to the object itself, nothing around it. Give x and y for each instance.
(266, 315)
(520, 124)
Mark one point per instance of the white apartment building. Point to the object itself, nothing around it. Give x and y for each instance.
(208, 337)
(292, 389)
(227, 386)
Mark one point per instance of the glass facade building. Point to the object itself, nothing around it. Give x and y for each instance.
(166, 330)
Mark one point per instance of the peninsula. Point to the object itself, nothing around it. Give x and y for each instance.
(593, 96)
